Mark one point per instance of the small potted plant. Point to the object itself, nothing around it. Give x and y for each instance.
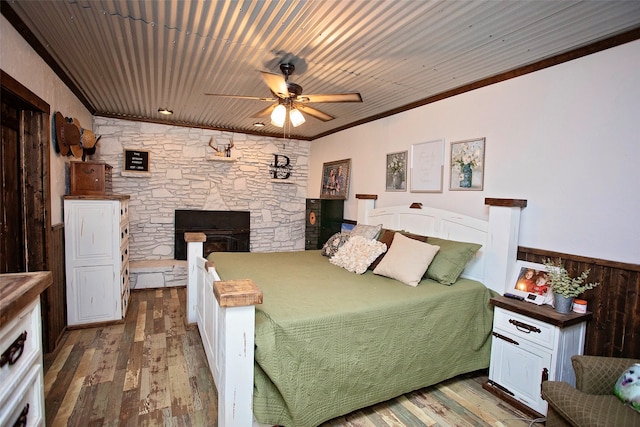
(566, 288)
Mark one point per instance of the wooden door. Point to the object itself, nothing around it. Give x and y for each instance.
(11, 225)
(30, 244)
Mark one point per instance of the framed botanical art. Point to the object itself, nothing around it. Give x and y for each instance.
(467, 165)
(427, 166)
(397, 171)
(335, 179)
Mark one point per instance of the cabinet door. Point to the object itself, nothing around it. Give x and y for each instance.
(90, 228)
(94, 295)
(519, 368)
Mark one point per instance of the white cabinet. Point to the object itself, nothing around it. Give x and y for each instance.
(530, 344)
(21, 375)
(97, 258)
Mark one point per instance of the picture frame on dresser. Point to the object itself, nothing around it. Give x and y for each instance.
(530, 281)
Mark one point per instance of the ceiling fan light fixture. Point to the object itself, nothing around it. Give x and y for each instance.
(296, 117)
(279, 115)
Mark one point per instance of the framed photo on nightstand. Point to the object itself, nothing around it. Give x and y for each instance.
(530, 282)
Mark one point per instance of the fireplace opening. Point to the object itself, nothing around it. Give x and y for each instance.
(226, 231)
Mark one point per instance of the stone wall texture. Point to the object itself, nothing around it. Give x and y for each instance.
(186, 174)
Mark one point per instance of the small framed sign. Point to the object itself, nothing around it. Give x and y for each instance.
(136, 161)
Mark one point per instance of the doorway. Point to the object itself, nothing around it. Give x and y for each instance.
(25, 200)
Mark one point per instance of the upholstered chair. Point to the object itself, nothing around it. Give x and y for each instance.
(591, 402)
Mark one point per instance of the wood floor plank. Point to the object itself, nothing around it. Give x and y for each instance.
(56, 366)
(71, 396)
(151, 370)
(141, 322)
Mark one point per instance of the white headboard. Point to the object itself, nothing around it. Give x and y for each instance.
(498, 235)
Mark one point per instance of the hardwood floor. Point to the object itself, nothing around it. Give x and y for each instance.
(151, 370)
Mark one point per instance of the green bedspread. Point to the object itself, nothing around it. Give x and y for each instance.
(329, 341)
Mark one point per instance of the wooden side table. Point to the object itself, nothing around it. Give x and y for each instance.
(532, 344)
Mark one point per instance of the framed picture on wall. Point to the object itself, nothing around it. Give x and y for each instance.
(335, 179)
(467, 165)
(397, 171)
(427, 166)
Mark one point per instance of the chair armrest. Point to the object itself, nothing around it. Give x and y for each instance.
(598, 374)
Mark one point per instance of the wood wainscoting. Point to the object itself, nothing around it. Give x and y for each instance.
(54, 299)
(615, 304)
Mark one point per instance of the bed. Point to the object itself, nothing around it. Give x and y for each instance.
(294, 340)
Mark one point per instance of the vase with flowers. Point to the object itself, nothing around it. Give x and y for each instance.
(566, 288)
(465, 158)
(395, 166)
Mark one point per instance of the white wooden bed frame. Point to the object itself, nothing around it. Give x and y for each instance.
(225, 310)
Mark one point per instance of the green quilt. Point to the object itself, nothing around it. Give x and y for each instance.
(329, 341)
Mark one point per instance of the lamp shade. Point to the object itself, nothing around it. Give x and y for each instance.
(296, 117)
(278, 115)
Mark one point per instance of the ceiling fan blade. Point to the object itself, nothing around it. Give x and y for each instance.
(256, 98)
(335, 97)
(265, 112)
(314, 112)
(277, 84)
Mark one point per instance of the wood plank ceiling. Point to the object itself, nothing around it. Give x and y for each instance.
(129, 58)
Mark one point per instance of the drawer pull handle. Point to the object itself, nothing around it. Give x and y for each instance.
(523, 327)
(507, 339)
(22, 418)
(15, 350)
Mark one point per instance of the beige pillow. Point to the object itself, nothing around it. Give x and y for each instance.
(357, 253)
(406, 260)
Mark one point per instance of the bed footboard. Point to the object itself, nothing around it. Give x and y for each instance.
(225, 314)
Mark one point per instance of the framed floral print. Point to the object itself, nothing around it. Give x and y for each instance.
(397, 171)
(467, 165)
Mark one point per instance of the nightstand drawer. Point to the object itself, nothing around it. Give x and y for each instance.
(525, 327)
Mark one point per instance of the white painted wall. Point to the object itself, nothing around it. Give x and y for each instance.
(566, 138)
(23, 64)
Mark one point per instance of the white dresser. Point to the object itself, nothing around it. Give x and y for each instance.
(531, 344)
(97, 258)
(21, 375)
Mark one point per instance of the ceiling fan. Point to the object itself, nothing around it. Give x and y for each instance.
(288, 97)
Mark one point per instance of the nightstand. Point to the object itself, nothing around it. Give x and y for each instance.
(531, 344)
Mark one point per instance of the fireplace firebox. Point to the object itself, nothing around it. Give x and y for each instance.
(226, 231)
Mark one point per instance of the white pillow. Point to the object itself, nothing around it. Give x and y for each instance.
(406, 260)
(357, 254)
(368, 231)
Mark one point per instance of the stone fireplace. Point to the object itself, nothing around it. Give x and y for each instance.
(226, 231)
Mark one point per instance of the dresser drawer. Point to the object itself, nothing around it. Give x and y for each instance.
(525, 327)
(124, 211)
(25, 405)
(20, 344)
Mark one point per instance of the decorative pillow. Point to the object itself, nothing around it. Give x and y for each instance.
(368, 231)
(334, 243)
(357, 253)
(451, 259)
(386, 237)
(627, 387)
(406, 260)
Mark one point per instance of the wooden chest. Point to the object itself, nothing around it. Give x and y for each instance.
(90, 178)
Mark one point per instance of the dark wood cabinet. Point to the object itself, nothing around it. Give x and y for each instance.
(323, 219)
